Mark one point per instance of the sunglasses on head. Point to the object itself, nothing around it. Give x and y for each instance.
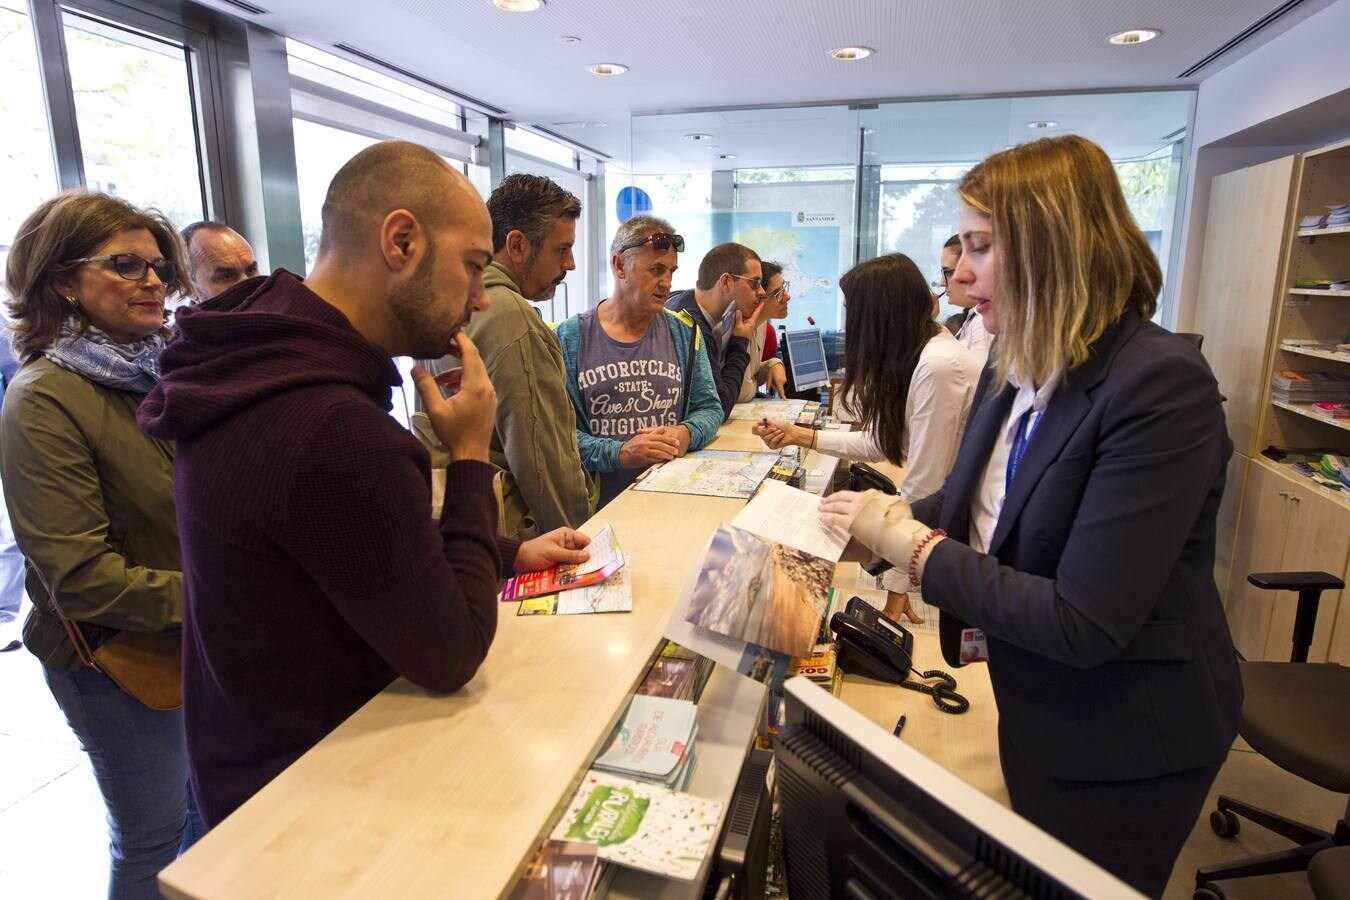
(133, 267)
(661, 242)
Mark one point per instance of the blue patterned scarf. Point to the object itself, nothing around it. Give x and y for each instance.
(125, 367)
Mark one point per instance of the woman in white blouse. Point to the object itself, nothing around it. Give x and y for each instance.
(895, 349)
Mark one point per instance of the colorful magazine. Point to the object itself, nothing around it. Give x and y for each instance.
(641, 826)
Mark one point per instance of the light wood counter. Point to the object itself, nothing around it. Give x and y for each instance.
(423, 795)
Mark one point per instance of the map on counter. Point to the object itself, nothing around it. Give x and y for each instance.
(711, 473)
(755, 410)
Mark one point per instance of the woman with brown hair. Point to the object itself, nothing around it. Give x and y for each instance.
(91, 499)
(1075, 534)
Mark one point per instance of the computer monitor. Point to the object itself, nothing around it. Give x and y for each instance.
(866, 815)
(804, 352)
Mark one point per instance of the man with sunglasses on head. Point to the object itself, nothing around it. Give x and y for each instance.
(729, 287)
(638, 373)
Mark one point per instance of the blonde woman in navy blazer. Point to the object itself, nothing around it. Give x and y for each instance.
(1076, 529)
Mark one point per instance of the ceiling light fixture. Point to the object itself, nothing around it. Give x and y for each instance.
(1134, 36)
(518, 5)
(580, 124)
(851, 54)
(1043, 123)
(698, 136)
(727, 156)
(608, 69)
(569, 39)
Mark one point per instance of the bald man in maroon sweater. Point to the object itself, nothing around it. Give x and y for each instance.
(313, 572)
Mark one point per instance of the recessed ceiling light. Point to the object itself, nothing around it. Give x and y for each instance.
(569, 39)
(698, 136)
(518, 5)
(608, 69)
(1134, 36)
(1043, 123)
(727, 156)
(849, 54)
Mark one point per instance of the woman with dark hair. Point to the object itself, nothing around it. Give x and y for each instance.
(91, 499)
(894, 349)
(1072, 546)
(777, 298)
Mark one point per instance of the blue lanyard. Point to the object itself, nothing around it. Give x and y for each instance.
(1021, 438)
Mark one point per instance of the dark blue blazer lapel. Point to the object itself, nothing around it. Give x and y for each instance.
(1066, 410)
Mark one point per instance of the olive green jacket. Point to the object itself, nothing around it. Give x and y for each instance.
(91, 499)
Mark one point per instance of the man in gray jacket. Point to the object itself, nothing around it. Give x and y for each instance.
(534, 224)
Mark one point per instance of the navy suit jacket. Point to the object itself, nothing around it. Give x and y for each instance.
(728, 367)
(1109, 652)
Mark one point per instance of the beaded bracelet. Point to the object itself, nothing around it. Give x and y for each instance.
(914, 557)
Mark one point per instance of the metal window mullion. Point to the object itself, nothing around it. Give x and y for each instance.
(58, 92)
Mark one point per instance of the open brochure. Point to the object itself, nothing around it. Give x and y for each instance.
(711, 473)
(614, 594)
(605, 560)
(641, 826)
(765, 577)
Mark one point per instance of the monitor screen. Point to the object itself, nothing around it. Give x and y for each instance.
(806, 357)
(866, 815)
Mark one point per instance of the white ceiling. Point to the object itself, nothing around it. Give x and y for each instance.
(701, 54)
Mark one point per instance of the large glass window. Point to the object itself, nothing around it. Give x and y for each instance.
(27, 170)
(319, 152)
(136, 116)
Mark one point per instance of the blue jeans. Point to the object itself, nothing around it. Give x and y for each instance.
(11, 568)
(140, 763)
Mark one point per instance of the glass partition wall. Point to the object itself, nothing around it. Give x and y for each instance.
(818, 189)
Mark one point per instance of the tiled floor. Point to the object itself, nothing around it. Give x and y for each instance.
(54, 840)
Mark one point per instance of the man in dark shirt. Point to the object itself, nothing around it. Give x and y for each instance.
(313, 572)
(728, 275)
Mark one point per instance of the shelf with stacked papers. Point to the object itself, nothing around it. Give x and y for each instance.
(1306, 409)
(1311, 292)
(1322, 232)
(1319, 351)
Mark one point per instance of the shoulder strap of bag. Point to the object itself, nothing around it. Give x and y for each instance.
(77, 638)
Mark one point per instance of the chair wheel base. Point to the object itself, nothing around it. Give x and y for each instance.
(1224, 823)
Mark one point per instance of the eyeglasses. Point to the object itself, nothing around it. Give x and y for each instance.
(755, 283)
(947, 274)
(133, 267)
(661, 242)
(780, 290)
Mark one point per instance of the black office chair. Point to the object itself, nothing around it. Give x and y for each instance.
(1329, 874)
(1295, 715)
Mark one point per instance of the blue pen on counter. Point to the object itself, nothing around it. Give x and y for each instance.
(899, 726)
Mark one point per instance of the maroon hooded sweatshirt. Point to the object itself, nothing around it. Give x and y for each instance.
(313, 573)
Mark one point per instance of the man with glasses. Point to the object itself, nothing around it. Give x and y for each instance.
(638, 373)
(218, 258)
(970, 329)
(729, 286)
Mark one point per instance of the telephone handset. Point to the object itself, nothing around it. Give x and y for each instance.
(870, 643)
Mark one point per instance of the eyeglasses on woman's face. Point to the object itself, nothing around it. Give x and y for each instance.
(132, 266)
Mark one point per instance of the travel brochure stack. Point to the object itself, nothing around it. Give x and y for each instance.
(653, 742)
(1339, 349)
(599, 585)
(1297, 386)
(563, 870)
(1322, 284)
(1328, 469)
(1337, 214)
(678, 673)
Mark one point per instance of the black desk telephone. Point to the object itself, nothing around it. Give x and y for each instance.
(869, 643)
